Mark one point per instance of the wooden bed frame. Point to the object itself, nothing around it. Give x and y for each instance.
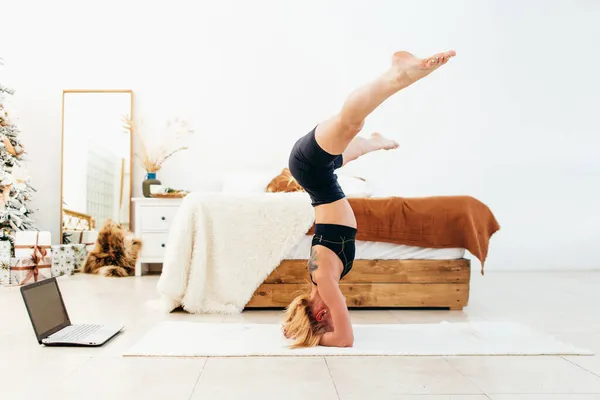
(377, 283)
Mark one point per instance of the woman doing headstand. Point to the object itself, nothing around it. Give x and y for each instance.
(321, 317)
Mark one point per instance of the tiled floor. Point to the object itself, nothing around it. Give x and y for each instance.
(563, 304)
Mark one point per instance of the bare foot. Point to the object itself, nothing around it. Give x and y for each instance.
(382, 143)
(408, 69)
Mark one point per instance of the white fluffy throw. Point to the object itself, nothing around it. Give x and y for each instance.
(223, 246)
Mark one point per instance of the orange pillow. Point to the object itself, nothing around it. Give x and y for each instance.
(284, 182)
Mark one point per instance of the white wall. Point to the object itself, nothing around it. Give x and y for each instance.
(509, 121)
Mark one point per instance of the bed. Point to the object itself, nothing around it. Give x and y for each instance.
(231, 251)
(384, 274)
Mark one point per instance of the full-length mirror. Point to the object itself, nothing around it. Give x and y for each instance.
(96, 162)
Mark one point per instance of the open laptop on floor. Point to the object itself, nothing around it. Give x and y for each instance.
(51, 322)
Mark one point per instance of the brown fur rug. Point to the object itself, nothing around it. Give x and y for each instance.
(115, 253)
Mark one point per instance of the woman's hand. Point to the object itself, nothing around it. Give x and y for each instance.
(330, 340)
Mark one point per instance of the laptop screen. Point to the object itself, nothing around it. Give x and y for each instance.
(45, 306)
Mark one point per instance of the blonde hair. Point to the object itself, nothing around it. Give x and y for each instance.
(301, 325)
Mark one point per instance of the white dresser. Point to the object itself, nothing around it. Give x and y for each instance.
(152, 221)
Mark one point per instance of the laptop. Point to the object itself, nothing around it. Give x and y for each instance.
(51, 322)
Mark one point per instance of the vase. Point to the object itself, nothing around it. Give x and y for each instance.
(148, 182)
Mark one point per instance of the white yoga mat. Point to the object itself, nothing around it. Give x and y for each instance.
(190, 339)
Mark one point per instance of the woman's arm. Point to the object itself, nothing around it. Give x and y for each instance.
(342, 335)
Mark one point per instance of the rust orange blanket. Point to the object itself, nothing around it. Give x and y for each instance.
(436, 222)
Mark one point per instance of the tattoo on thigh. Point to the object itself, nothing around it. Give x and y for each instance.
(312, 263)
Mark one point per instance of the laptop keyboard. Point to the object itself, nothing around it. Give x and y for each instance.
(79, 332)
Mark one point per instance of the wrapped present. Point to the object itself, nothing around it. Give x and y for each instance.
(24, 270)
(63, 260)
(82, 237)
(27, 243)
(68, 258)
(69, 236)
(5, 248)
(4, 270)
(80, 253)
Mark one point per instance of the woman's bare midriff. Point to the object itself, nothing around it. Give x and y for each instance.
(339, 212)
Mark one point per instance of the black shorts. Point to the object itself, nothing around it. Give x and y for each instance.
(341, 240)
(314, 168)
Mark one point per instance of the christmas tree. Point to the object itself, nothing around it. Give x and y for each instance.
(15, 191)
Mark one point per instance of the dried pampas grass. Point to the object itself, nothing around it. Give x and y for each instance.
(152, 158)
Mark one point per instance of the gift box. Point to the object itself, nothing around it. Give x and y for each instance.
(82, 237)
(80, 253)
(67, 236)
(28, 243)
(4, 270)
(72, 236)
(68, 258)
(5, 248)
(28, 270)
(63, 260)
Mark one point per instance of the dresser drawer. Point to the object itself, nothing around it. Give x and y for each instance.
(154, 244)
(157, 218)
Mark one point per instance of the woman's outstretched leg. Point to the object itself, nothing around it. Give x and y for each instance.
(360, 146)
(335, 134)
